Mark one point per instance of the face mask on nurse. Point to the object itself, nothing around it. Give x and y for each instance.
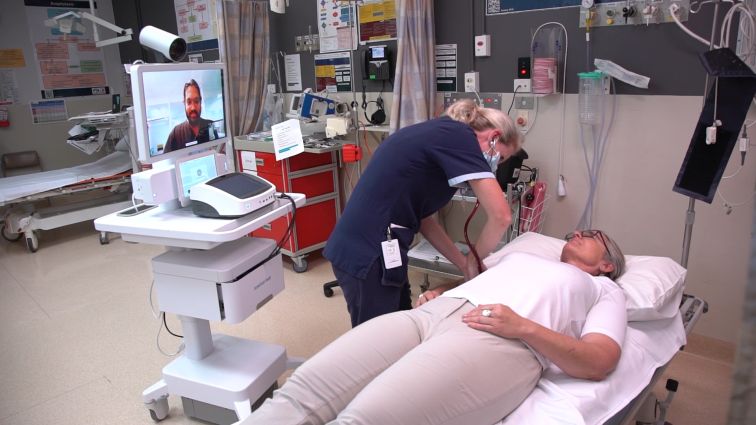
(492, 156)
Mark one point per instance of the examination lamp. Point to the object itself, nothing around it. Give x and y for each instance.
(170, 45)
(67, 22)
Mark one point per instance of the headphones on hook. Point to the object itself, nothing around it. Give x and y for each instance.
(379, 116)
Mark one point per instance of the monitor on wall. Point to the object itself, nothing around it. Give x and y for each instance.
(179, 109)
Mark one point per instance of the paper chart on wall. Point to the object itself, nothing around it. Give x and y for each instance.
(293, 71)
(195, 21)
(446, 67)
(69, 64)
(377, 20)
(336, 27)
(333, 72)
(8, 87)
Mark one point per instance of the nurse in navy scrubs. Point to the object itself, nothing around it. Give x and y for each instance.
(413, 174)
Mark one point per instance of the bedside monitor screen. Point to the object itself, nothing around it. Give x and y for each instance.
(192, 171)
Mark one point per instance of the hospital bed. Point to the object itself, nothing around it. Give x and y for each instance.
(659, 318)
(104, 183)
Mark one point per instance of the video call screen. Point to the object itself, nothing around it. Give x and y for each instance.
(165, 107)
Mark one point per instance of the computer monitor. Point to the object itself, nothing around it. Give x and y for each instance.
(195, 169)
(179, 109)
(295, 104)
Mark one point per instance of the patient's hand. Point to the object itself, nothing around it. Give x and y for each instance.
(497, 319)
(428, 295)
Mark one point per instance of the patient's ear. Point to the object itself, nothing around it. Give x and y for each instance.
(606, 267)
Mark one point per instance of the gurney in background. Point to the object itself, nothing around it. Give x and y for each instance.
(52, 199)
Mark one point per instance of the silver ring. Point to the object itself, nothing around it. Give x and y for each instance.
(486, 312)
(422, 295)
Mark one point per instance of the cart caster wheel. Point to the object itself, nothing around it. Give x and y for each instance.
(160, 410)
(328, 292)
(104, 240)
(300, 266)
(32, 245)
(8, 235)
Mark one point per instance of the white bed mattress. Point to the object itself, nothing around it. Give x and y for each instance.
(28, 184)
(560, 399)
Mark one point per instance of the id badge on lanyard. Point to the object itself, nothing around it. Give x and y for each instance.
(392, 257)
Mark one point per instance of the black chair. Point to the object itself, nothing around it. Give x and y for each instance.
(328, 288)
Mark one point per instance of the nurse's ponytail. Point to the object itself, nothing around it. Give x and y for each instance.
(480, 119)
(465, 111)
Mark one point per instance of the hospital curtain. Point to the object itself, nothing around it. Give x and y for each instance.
(415, 77)
(244, 45)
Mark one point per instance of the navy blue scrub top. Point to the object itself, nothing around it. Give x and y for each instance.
(411, 175)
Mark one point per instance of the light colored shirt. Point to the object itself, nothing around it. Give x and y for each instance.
(556, 295)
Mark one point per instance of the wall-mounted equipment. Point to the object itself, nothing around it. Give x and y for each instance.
(378, 63)
(631, 12)
(523, 67)
(488, 100)
(316, 106)
(483, 45)
(170, 45)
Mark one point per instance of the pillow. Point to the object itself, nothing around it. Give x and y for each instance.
(653, 285)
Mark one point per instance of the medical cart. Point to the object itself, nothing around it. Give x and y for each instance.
(313, 173)
(211, 271)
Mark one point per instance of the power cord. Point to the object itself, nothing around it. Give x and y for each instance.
(279, 246)
(514, 96)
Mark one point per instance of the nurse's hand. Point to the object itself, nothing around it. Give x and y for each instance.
(471, 267)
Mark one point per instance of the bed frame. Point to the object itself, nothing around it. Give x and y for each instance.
(691, 309)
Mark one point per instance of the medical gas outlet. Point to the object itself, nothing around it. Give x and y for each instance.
(632, 12)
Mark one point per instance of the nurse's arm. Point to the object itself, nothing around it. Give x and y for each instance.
(432, 230)
(498, 213)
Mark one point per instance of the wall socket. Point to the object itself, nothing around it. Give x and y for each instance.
(472, 81)
(523, 83)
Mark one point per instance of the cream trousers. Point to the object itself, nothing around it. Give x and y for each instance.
(422, 366)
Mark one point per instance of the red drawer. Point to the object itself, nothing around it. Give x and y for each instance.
(307, 160)
(266, 163)
(314, 184)
(275, 230)
(276, 179)
(315, 222)
(313, 226)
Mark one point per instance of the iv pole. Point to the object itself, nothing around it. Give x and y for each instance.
(690, 215)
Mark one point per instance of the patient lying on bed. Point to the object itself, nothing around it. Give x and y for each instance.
(472, 354)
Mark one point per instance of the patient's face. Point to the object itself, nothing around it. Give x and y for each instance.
(585, 253)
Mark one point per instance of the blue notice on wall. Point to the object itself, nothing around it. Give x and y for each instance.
(494, 7)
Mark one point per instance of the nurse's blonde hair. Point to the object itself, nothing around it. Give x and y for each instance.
(481, 119)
